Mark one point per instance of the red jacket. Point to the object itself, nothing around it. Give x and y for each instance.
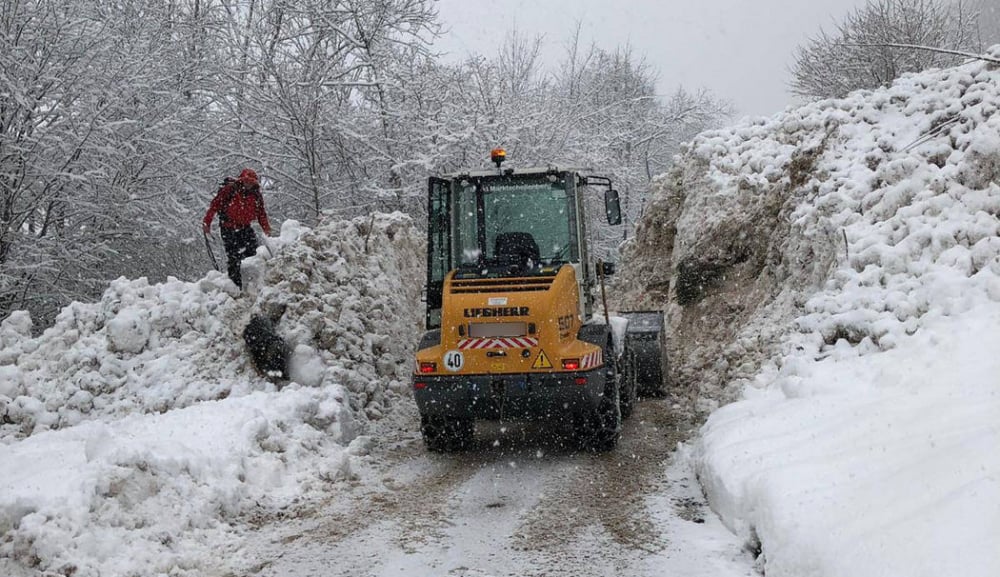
(238, 207)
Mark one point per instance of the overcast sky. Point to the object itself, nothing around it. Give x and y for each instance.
(740, 49)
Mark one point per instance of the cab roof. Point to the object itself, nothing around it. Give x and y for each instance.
(531, 171)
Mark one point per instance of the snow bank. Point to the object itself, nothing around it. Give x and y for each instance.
(135, 433)
(151, 494)
(887, 465)
(142, 348)
(838, 267)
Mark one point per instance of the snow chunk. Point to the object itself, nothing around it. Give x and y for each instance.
(11, 381)
(306, 366)
(14, 330)
(128, 332)
(15, 327)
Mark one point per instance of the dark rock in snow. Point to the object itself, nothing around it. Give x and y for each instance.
(267, 350)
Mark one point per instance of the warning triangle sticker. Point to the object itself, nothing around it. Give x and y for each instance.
(541, 361)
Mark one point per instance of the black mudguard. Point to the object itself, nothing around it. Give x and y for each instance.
(429, 339)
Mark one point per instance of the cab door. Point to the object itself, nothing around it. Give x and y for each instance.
(438, 246)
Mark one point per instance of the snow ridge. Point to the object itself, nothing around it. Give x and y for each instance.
(837, 266)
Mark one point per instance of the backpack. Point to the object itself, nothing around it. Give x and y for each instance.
(235, 185)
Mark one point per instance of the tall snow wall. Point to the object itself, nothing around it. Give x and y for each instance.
(835, 271)
(754, 238)
(342, 293)
(136, 437)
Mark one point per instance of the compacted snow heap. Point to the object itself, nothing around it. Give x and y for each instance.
(837, 267)
(135, 430)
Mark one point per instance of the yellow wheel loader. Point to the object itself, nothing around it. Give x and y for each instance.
(511, 287)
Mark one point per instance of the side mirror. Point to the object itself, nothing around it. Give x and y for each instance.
(607, 268)
(612, 206)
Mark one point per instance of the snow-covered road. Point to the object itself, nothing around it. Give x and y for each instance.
(522, 502)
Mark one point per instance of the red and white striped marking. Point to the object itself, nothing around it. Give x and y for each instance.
(497, 343)
(591, 360)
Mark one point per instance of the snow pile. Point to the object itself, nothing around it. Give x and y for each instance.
(351, 307)
(838, 266)
(142, 348)
(135, 433)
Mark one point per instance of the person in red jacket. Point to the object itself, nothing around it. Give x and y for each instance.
(238, 203)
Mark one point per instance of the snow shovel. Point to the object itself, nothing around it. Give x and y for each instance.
(211, 254)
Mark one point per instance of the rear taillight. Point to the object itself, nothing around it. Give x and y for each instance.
(571, 364)
(580, 380)
(419, 385)
(428, 367)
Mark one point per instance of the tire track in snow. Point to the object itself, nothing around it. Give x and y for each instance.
(610, 488)
(399, 503)
(523, 501)
(600, 505)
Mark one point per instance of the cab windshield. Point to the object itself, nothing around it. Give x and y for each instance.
(524, 225)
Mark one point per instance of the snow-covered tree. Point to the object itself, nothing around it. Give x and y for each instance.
(856, 54)
(314, 89)
(92, 152)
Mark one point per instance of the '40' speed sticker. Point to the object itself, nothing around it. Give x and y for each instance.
(453, 360)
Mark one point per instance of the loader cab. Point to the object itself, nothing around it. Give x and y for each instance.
(498, 224)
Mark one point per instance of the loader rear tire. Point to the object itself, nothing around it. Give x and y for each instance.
(599, 429)
(605, 424)
(444, 435)
(630, 387)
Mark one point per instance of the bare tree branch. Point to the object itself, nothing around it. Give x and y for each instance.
(961, 53)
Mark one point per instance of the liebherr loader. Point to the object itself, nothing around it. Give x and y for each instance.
(511, 291)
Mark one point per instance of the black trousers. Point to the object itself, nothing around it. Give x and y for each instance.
(240, 243)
